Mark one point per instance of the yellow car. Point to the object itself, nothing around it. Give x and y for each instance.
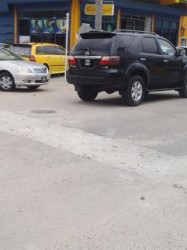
(51, 55)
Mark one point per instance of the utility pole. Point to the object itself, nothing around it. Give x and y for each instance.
(98, 14)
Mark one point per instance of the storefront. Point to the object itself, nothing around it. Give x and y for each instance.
(33, 21)
(6, 22)
(42, 24)
(160, 16)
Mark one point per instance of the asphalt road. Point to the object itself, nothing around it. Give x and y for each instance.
(87, 176)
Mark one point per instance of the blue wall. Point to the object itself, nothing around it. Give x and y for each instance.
(6, 27)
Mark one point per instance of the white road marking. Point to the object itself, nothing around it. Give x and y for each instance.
(116, 152)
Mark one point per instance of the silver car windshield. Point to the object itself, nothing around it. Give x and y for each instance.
(8, 55)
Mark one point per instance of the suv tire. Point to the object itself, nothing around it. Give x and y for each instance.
(87, 93)
(183, 91)
(135, 92)
(6, 82)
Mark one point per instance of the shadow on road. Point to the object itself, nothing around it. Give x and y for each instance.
(117, 100)
(154, 97)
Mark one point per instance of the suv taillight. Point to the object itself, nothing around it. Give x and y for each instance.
(32, 58)
(71, 60)
(109, 60)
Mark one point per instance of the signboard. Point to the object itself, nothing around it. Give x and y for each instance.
(107, 9)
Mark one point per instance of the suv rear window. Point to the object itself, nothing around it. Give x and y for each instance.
(98, 44)
(21, 50)
(102, 43)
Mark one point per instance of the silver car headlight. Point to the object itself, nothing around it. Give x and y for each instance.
(24, 69)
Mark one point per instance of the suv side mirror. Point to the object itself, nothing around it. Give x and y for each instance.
(181, 52)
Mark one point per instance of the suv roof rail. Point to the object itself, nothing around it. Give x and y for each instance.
(135, 31)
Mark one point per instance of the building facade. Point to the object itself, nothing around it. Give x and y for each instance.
(45, 20)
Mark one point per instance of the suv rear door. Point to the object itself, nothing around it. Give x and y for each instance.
(151, 57)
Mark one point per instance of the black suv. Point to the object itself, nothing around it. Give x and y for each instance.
(131, 62)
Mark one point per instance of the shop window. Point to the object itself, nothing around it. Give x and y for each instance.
(49, 14)
(49, 38)
(24, 15)
(24, 27)
(36, 38)
(36, 14)
(28, 21)
(167, 29)
(61, 39)
(133, 22)
(173, 25)
(166, 24)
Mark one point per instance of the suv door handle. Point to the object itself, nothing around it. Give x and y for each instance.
(143, 59)
(165, 61)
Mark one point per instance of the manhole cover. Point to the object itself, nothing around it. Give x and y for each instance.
(43, 111)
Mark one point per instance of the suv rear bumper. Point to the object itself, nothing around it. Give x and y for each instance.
(111, 79)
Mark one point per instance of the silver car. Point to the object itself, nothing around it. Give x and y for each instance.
(15, 72)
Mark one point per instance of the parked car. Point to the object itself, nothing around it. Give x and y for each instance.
(51, 55)
(130, 62)
(14, 71)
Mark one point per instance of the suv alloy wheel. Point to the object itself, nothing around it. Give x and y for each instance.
(135, 92)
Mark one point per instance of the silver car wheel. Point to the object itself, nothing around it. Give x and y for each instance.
(136, 91)
(6, 82)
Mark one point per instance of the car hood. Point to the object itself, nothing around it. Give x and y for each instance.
(26, 64)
